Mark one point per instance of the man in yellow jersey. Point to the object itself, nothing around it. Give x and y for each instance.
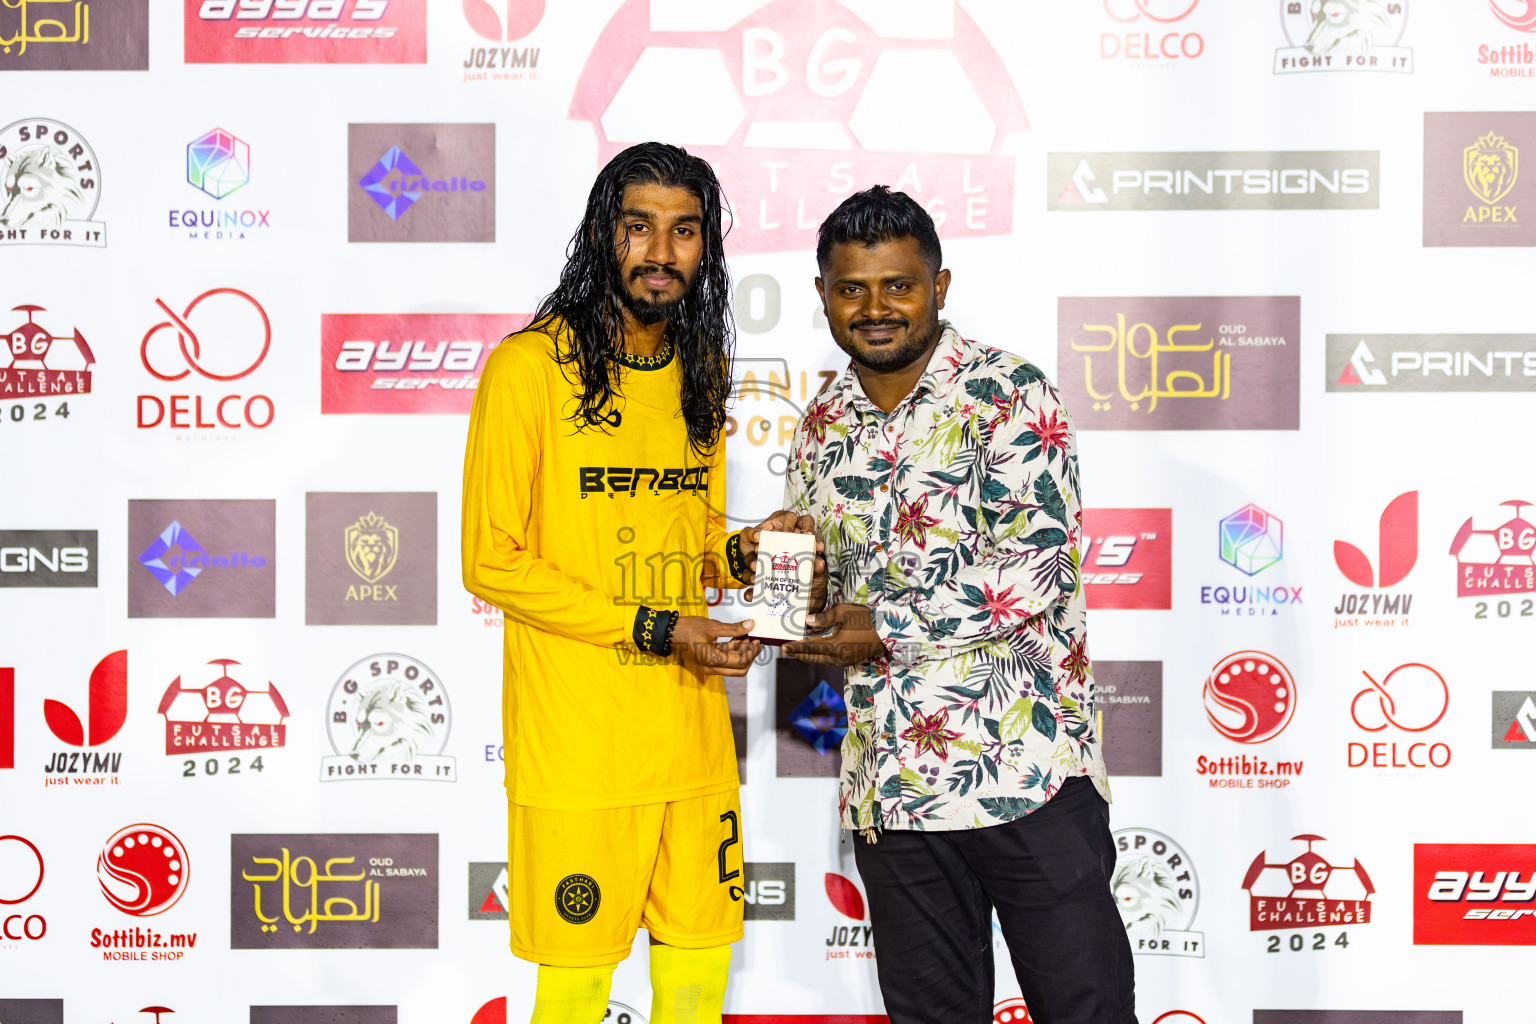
(594, 487)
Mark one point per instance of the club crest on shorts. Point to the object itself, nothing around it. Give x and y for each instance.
(577, 898)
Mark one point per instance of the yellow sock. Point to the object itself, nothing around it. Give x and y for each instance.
(688, 985)
(572, 995)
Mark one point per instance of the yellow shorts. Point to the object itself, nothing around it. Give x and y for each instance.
(583, 882)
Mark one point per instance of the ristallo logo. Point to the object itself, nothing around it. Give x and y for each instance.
(1397, 551)
(1127, 557)
(421, 183)
(306, 32)
(231, 341)
(1343, 35)
(21, 876)
(1499, 564)
(220, 550)
(1473, 190)
(1411, 699)
(1307, 892)
(1474, 894)
(106, 711)
(51, 182)
(403, 363)
(1150, 33)
(801, 102)
(1514, 720)
(35, 364)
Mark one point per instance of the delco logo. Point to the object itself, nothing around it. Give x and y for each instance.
(1127, 559)
(1474, 894)
(802, 102)
(406, 362)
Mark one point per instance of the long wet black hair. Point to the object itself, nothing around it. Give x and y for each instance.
(589, 296)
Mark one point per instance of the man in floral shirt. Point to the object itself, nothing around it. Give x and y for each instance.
(942, 476)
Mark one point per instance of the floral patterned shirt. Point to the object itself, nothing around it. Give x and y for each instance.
(956, 518)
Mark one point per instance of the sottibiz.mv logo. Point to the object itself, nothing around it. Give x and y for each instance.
(802, 102)
(1474, 894)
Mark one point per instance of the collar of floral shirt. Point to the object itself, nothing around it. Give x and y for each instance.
(937, 380)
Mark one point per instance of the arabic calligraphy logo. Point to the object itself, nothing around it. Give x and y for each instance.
(1525, 21)
(218, 163)
(185, 336)
(1489, 167)
(577, 898)
(1143, 9)
(143, 870)
(372, 546)
(1252, 540)
(1122, 341)
(1421, 696)
(1397, 545)
(42, 29)
(1250, 697)
(287, 871)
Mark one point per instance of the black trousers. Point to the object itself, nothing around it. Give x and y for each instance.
(931, 896)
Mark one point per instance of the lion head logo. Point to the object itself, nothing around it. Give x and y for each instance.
(40, 188)
(1348, 27)
(1489, 167)
(372, 546)
(392, 719)
(1145, 890)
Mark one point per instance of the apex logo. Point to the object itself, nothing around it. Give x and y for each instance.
(1398, 546)
(106, 705)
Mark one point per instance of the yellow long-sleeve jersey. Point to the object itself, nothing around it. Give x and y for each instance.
(569, 532)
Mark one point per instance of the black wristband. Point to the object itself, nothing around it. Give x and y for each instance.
(652, 630)
(734, 562)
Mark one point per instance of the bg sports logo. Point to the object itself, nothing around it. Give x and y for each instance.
(1474, 894)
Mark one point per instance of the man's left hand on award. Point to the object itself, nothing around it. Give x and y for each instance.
(852, 639)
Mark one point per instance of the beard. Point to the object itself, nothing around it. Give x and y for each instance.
(647, 307)
(890, 356)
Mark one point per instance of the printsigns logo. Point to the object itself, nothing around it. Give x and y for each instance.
(306, 32)
(371, 558)
(1412, 698)
(1306, 891)
(47, 558)
(1473, 190)
(1431, 362)
(1128, 715)
(1250, 697)
(1499, 561)
(327, 891)
(811, 719)
(223, 713)
(801, 102)
(1158, 893)
(33, 363)
(143, 869)
(1332, 180)
(388, 718)
(1343, 35)
(488, 895)
(1149, 36)
(74, 35)
(1474, 894)
(1215, 363)
(1514, 720)
(220, 550)
(32, 1011)
(406, 362)
(768, 890)
(1127, 557)
(49, 186)
(454, 183)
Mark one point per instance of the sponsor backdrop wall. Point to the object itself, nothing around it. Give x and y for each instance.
(256, 252)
